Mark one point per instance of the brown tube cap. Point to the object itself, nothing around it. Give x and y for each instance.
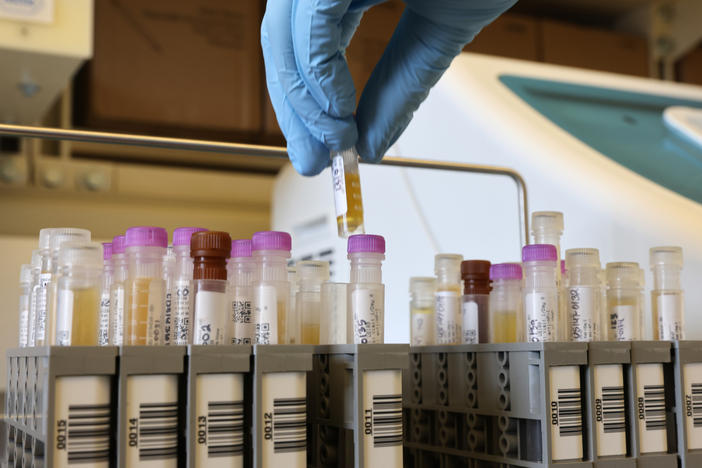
(210, 251)
(476, 276)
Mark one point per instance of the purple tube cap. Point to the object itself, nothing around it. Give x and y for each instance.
(241, 248)
(106, 250)
(539, 252)
(146, 236)
(506, 271)
(118, 244)
(182, 235)
(271, 240)
(366, 243)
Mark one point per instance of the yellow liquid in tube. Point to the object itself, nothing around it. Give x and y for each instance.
(310, 334)
(282, 322)
(142, 296)
(504, 327)
(86, 311)
(352, 221)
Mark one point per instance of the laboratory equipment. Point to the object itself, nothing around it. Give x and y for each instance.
(583, 294)
(241, 272)
(107, 269)
(506, 323)
(476, 301)
(271, 250)
(667, 301)
(366, 253)
(36, 271)
(624, 302)
(347, 192)
(25, 292)
(182, 292)
(311, 274)
(117, 298)
(422, 296)
(540, 292)
(447, 305)
(335, 321)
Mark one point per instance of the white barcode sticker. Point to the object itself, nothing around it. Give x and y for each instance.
(182, 303)
(210, 318)
(448, 325)
(104, 319)
(610, 417)
(382, 418)
(241, 316)
(266, 314)
(470, 323)
(283, 418)
(339, 181)
(151, 430)
(64, 317)
(219, 416)
(541, 317)
(692, 378)
(670, 317)
(367, 303)
(566, 413)
(82, 422)
(650, 404)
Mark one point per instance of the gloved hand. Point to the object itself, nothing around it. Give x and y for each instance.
(311, 87)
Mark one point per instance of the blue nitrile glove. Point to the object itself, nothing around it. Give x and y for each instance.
(311, 88)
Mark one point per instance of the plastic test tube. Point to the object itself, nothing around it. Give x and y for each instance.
(506, 303)
(104, 320)
(476, 301)
(366, 253)
(447, 268)
(422, 292)
(667, 295)
(169, 264)
(145, 247)
(547, 228)
(117, 304)
(36, 271)
(271, 250)
(182, 286)
(210, 251)
(311, 275)
(334, 321)
(348, 203)
(540, 292)
(294, 325)
(78, 294)
(583, 294)
(25, 283)
(241, 272)
(46, 302)
(624, 301)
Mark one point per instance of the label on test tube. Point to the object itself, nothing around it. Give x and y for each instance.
(266, 314)
(581, 303)
(541, 316)
(104, 320)
(367, 309)
(421, 329)
(151, 429)
(242, 318)
(610, 417)
(211, 311)
(64, 317)
(168, 317)
(182, 314)
(670, 321)
(31, 324)
(117, 307)
(42, 306)
(24, 321)
(692, 380)
(448, 327)
(382, 418)
(283, 419)
(219, 416)
(650, 404)
(81, 421)
(623, 321)
(566, 413)
(470, 322)
(337, 168)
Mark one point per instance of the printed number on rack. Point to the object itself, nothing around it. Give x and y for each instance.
(283, 419)
(382, 418)
(650, 407)
(610, 409)
(566, 413)
(692, 377)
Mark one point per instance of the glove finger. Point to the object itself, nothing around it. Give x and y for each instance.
(418, 54)
(307, 154)
(334, 133)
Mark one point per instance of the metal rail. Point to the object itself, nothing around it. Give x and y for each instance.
(262, 150)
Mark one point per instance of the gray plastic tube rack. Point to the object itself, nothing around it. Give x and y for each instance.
(59, 407)
(355, 405)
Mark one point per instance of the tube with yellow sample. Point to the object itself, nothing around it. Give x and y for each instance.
(310, 274)
(347, 192)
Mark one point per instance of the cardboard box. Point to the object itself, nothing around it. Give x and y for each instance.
(689, 68)
(189, 64)
(510, 35)
(578, 46)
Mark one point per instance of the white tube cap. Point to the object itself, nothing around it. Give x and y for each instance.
(546, 221)
(578, 258)
(666, 255)
(61, 235)
(80, 253)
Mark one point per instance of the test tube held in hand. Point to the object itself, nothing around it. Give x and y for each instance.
(506, 303)
(540, 292)
(182, 285)
(422, 291)
(366, 253)
(667, 295)
(210, 250)
(476, 301)
(241, 273)
(447, 315)
(271, 251)
(346, 181)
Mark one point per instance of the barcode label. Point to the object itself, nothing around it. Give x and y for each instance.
(382, 418)
(82, 421)
(650, 404)
(219, 409)
(610, 410)
(566, 413)
(692, 381)
(282, 422)
(151, 432)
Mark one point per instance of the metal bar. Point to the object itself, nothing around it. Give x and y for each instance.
(262, 150)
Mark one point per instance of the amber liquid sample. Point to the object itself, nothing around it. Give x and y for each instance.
(86, 311)
(282, 322)
(143, 301)
(504, 327)
(310, 333)
(352, 221)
